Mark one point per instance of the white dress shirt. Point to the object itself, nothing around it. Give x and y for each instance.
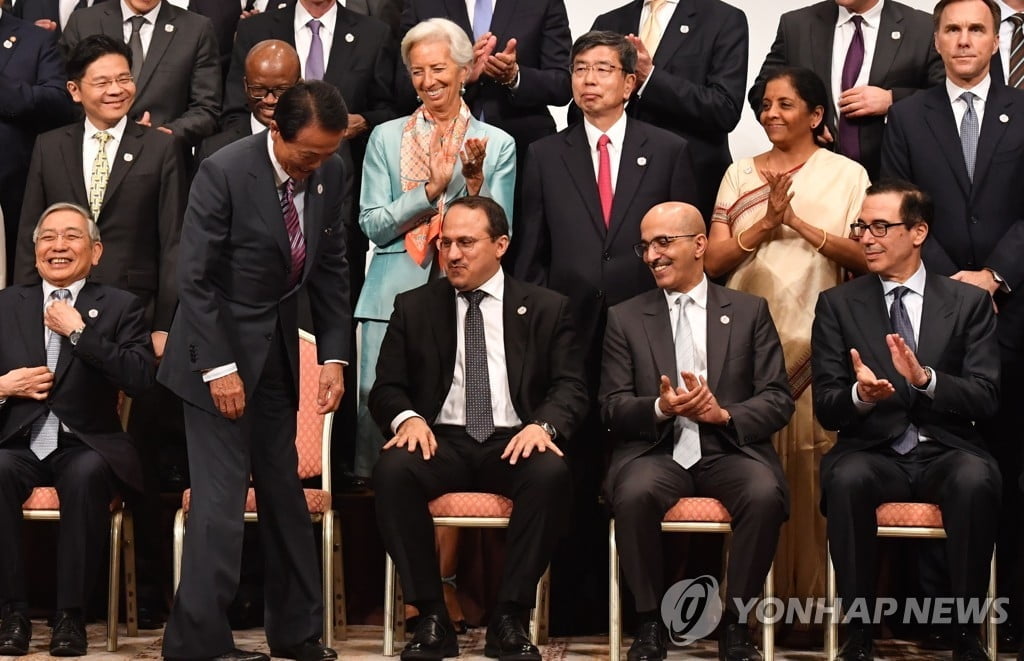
(697, 318)
(91, 147)
(146, 31)
(304, 33)
(960, 106)
(453, 411)
(841, 44)
(616, 134)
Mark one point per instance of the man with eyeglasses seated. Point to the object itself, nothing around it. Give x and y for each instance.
(693, 385)
(905, 363)
(271, 68)
(479, 383)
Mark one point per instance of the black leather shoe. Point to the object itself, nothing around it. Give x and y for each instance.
(968, 648)
(310, 650)
(649, 644)
(507, 640)
(232, 655)
(68, 637)
(858, 646)
(15, 634)
(734, 644)
(149, 619)
(433, 640)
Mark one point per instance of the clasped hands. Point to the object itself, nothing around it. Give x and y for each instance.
(870, 388)
(779, 211)
(694, 401)
(415, 434)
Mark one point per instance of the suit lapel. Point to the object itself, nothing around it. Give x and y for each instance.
(936, 325)
(516, 327)
(281, 25)
(672, 37)
(30, 324)
(992, 131)
(263, 192)
(658, 328)
(342, 50)
(112, 25)
(455, 10)
(821, 34)
(631, 173)
(127, 155)
(938, 115)
(88, 299)
(580, 166)
(313, 217)
(504, 10)
(445, 335)
(163, 34)
(9, 30)
(870, 314)
(718, 334)
(886, 47)
(71, 156)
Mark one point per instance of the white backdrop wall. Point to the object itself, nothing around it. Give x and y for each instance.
(763, 19)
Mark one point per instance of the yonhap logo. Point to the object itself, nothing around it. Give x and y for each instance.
(691, 609)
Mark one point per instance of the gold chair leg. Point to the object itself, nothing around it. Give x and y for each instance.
(614, 607)
(390, 605)
(539, 613)
(340, 602)
(991, 635)
(768, 626)
(114, 585)
(327, 583)
(179, 545)
(131, 588)
(831, 616)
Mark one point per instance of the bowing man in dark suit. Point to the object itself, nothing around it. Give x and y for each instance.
(479, 380)
(693, 420)
(32, 100)
(69, 347)
(904, 365)
(691, 73)
(263, 220)
(892, 58)
(177, 77)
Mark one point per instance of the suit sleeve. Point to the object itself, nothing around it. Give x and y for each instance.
(532, 236)
(776, 58)
(832, 370)
(548, 84)
(43, 102)
(172, 209)
(566, 402)
(31, 208)
(683, 183)
(328, 282)
(715, 103)
(933, 73)
(389, 396)
(204, 104)
(126, 359)
(972, 394)
(626, 414)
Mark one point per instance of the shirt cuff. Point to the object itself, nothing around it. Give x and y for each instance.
(514, 85)
(218, 372)
(861, 405)
(640, 92)
(659, 415)
(343, 363)
(929, 388)
(402, 417)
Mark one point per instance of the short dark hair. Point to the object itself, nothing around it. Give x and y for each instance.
(997, 16)
(309, 103)
(497, 221)
(809, 87)
(92, 48)
(613, 40)
(915, 205)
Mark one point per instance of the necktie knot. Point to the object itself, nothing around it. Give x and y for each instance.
(288, 188)
(474, 297)
(656, 5)
(968, 98)
(103, 137)
(857, 21)
(603, 141)
(314, 26)
(1017, 20)
(61, 295)
(899, 292)
(137, 22)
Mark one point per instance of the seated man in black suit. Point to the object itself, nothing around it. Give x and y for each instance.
(904, 365)
(479, 375)
(69, 347)
(693, 420)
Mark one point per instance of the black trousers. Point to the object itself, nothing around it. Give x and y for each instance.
(648, 486)
(85, 484)
(539, 487)
(221, 455)
(965, 486)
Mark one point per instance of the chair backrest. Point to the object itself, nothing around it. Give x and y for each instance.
(313, 431)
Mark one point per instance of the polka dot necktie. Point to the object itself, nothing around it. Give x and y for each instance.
(479, 417)
(43, 440)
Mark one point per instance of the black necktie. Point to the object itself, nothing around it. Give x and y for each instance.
(479, 418)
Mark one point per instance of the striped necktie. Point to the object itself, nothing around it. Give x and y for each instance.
(296, 241)
(1015, 76)
(43, 440)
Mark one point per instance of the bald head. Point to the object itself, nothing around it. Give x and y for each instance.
(271, 67)
(674, 240)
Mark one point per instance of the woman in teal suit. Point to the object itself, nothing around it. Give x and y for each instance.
(413, 166)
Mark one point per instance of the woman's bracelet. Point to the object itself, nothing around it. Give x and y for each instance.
(824, 238)
(740, 243)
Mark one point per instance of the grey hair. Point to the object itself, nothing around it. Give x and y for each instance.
(94, 229)
(439, 29)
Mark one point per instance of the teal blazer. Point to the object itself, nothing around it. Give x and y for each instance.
(387, 212)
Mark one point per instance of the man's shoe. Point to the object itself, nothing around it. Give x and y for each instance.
(649, 644)
(68, 637)
(968, 648)
(149, 619)
(309, 650)
(231, 655)
(433, 640)
(858, 646)
(507, 640)
(15, 633)
(734, 644)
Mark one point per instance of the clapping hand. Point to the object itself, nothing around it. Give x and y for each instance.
(870, 388)
(473, 152)
(442, 163)
(779, 197)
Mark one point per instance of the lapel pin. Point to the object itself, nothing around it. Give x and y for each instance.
(128, 158)
(349, 37)
(8, 43)
(684, 28)
(168, 28)
(895, 34)
(724, 319)
(521, 310)
(319, 189)
(1004, 118)
(93, 313)
(642, 161)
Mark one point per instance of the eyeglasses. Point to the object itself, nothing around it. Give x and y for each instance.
(465, 243)
(50, 236)
(601, 69)
(259, 92)
(877, 228)
(659, 243)
(104, 83)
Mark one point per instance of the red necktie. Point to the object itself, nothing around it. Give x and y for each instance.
(604, 178)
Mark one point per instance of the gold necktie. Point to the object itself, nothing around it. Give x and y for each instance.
(650, 31)
(100, 174)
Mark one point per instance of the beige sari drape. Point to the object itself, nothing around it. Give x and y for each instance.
(789, 273)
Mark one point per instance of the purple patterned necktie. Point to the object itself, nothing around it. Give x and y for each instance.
(296, 241)
(315, 59)
(849, 133)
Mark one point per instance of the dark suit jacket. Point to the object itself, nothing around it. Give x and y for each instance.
(696, 90)
(33, 99)
(746, 372)
(140, 219)
(980, 224)
(224, 14)
(957, 339)
(417, 357)
(904, 65)
(114, 353)
(233, 283)
(217, 141)
(180, 83)
(541, 28)
(35, 10)
(563, 242)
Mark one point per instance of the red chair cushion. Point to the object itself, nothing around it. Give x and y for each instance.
(906, 515)
(471, 503)
(45, 498)
(708, 510)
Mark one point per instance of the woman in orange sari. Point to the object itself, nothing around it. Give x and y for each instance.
(779, 230)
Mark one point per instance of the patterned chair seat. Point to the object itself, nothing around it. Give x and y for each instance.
(45, 498)
(471, 503)
(708, 510)
(909, 515)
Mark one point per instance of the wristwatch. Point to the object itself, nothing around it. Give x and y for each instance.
(547, 427)
(75, 335)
